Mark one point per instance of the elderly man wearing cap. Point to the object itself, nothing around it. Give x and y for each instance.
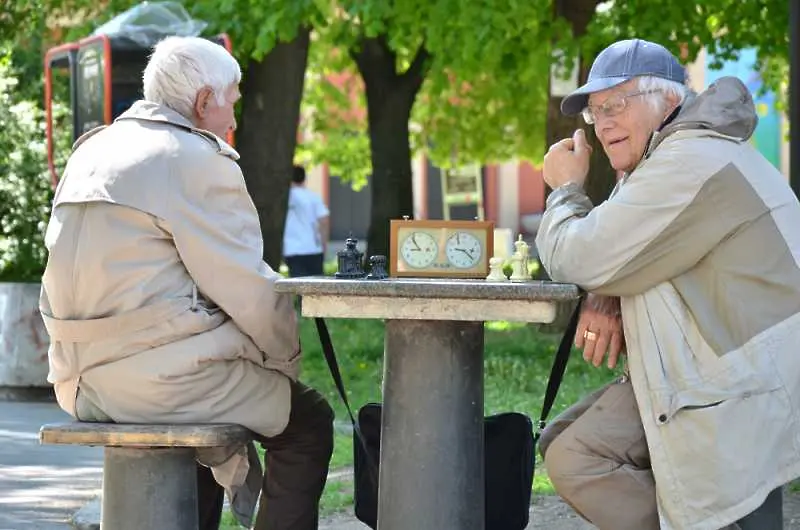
(693, 269)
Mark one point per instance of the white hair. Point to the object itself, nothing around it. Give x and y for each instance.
(659, 88)
(180, 66)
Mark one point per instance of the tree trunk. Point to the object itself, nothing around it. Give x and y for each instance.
(267, 137)
(602, 176)
(390, 97)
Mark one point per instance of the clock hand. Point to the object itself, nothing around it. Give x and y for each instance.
(465, 251)
(414, 240)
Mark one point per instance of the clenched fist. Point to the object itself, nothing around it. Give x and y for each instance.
(567, 161)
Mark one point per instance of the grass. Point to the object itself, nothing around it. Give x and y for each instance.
(516, 367)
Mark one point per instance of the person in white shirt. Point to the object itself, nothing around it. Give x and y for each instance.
(306, 230)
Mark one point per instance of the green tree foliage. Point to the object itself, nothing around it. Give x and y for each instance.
(270, 41)
(470, 77)
(485, 93)
(485, 82)
(25, 191)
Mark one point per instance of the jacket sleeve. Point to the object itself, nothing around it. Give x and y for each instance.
(661, 222)
(216, 230)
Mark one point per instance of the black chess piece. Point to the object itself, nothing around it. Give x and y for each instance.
(377, 268)
(350, 260)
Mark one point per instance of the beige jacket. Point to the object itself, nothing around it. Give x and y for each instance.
(702, 243)
(155, 296)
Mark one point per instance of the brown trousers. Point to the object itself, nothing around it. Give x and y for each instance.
(296, 464)
(597, 458)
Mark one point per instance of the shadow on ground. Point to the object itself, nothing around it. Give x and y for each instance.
(41, 486)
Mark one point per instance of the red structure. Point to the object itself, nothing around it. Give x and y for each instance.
(105, 78)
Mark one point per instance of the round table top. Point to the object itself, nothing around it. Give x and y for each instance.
(535, 290)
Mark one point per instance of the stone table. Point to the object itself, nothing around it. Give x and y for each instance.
(431, 458)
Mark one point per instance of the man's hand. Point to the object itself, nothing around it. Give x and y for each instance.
(600, 330)
(567, 161)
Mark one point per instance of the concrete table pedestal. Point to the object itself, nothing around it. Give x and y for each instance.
(431, 458)
(434, 378)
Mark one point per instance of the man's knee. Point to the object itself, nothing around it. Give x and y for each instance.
(310, 427)
(560, 460)
(321, 426)
(318, 409)
(326, 416)
(569, 462)
(548, 436)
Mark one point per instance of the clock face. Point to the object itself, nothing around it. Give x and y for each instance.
(419, 250)
(463, 250)
(440, 248)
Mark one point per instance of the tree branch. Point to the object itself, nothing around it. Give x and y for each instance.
(374, 56)
(356, 53)
(419, 66)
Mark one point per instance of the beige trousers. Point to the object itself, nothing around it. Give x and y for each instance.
(600, 465)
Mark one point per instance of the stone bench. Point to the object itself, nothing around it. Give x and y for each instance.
(149, 471)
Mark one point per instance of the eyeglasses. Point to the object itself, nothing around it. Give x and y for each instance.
(611, 107)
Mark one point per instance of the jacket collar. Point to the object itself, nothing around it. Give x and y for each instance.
(155, 112)
(149, 111)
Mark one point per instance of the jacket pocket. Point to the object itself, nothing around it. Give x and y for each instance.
(710, 395)
(719, 452)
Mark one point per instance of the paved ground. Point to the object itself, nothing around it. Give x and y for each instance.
(41, 486)
(549, 513)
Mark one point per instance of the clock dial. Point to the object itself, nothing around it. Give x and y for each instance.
(419, 250)
(463, 250)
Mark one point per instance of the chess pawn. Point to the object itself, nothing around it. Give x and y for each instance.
(496, 273)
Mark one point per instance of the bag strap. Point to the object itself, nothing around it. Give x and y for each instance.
(558, 368)
(333, 366)
(553, 382)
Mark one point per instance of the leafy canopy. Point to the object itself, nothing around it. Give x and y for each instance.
(485, 95)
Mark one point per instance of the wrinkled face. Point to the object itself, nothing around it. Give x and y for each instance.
(623, 122)
(213, 116)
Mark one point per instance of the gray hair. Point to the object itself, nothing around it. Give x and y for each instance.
(180, 66)
(659, 88)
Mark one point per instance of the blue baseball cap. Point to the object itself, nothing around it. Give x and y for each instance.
(620, 62)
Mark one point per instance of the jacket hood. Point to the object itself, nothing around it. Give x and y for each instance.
(726, 107)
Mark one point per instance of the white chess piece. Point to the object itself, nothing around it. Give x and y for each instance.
(518, 272)
(496, 273)
(520, 261)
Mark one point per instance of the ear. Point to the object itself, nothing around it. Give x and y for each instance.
(204, 96)
(672, 102)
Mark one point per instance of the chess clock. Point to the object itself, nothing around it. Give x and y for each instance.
(440, 249)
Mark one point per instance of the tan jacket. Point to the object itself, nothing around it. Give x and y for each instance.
(702, 243)
(155, 295)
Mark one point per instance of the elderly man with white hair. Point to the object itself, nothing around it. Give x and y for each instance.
(693, 270)
(158, 303)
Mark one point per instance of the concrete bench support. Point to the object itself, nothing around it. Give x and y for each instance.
(149, 488)
(149, 471)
